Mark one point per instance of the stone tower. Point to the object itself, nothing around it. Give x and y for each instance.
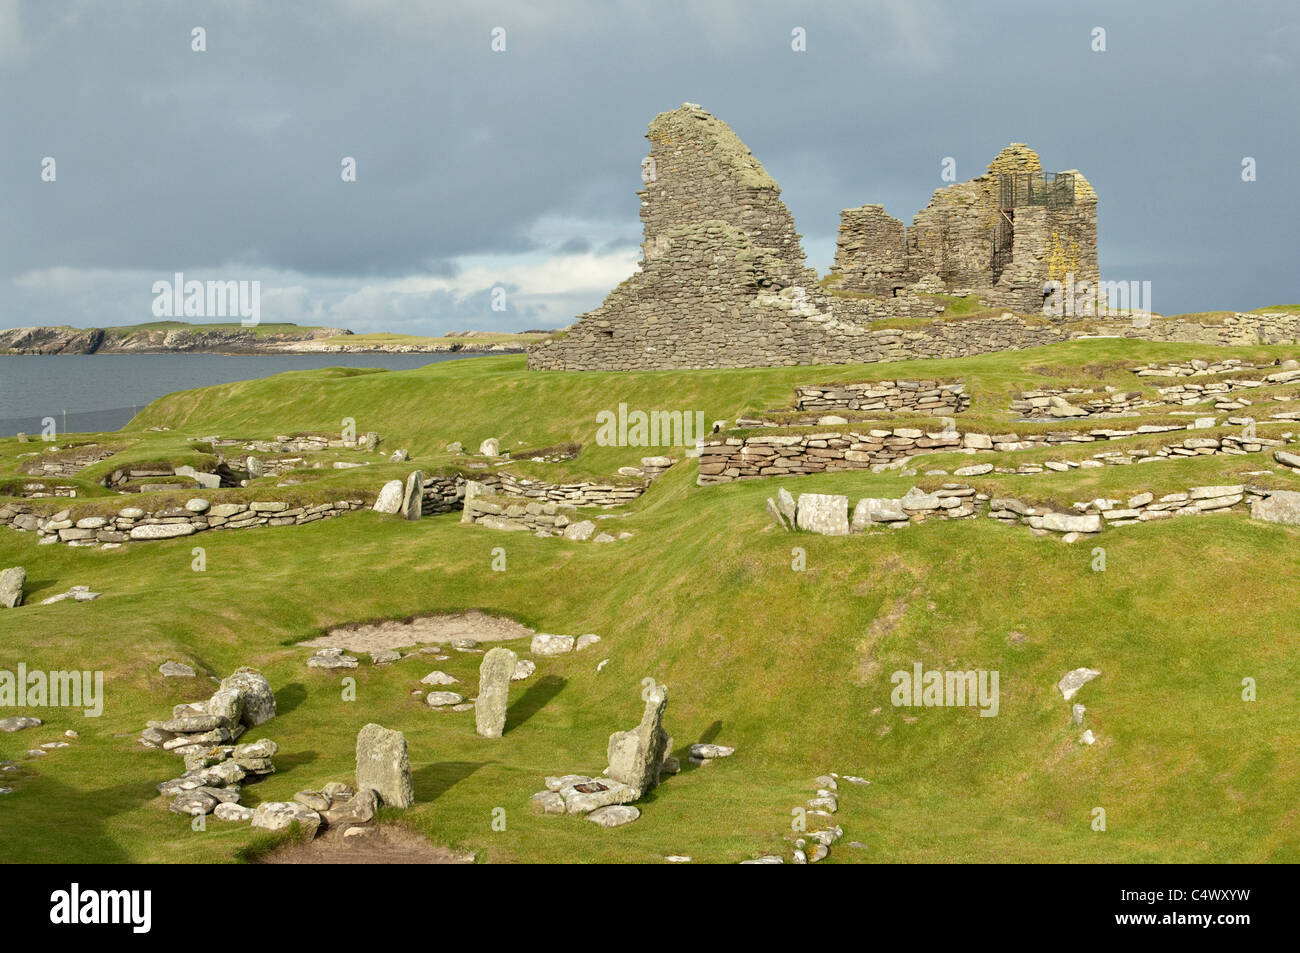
(722, 273)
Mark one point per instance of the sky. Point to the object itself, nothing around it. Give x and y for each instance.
(517, 168)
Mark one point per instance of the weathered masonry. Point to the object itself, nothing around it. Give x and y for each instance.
(723, 280)
(1002, 236)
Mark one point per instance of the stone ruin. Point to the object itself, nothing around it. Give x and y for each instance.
(1001, 236)
(722, 269)
(723, 280)
(637, 759)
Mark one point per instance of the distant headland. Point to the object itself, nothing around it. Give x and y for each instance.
(173, 337)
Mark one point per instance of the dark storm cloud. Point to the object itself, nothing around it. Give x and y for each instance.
(170, 159)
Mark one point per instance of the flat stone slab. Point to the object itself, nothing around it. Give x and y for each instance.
(548, 644)
(1072, 681)
(615, 815)
(18, 723)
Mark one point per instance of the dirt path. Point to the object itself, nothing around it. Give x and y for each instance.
(379, 845)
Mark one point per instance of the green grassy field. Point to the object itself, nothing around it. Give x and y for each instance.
(790, 667)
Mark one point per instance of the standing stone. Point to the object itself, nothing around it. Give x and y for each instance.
(494, 691)
(384, 765)
(254, 467)
(413, 499)
(370, 441)
(390, 497)
(11, 587)
(636, 756)
(490, 447)
(785, 503)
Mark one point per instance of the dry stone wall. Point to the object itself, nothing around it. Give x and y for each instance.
(892, 396)
(829, 515)
(133, 524)
(727, 457)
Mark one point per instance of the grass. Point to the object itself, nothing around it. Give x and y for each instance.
(790, 667)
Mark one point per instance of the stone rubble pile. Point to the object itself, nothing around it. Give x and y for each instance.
(1069, 686)
(383, 776)
(815, 845)
(204, 735)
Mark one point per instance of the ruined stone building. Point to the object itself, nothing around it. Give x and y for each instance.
(722, 268)
(1001, 236)
(723, 280)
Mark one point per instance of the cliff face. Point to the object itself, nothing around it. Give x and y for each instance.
(146, 339)
(51, 340)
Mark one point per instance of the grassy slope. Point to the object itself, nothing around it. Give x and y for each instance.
(788, 666)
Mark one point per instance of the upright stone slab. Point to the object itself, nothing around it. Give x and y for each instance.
(823, 513)
(473, 490)
(391, 497)
(494, 691)
(413, 499)
(636, 756)
(11, 587)
(1280, 506)
(384, 765)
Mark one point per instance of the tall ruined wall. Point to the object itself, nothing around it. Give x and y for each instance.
(952, 238)
(722, 281)
(871, 252)
(700, 171)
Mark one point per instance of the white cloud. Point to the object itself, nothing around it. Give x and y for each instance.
(541, 291)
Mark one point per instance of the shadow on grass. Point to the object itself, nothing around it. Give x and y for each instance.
(290, 697)
(287, 762)
(433, 781)
(533, 701)
(73, 823)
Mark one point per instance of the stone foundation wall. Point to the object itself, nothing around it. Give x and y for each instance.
(823, 339)
(133, 524)
(828, 514)
(724, 459)
(895, 396)
(499, 512)
(447, 494)
(1060, 402)
(570, 494)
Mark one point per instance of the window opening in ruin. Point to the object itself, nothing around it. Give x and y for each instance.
(1004, 234)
